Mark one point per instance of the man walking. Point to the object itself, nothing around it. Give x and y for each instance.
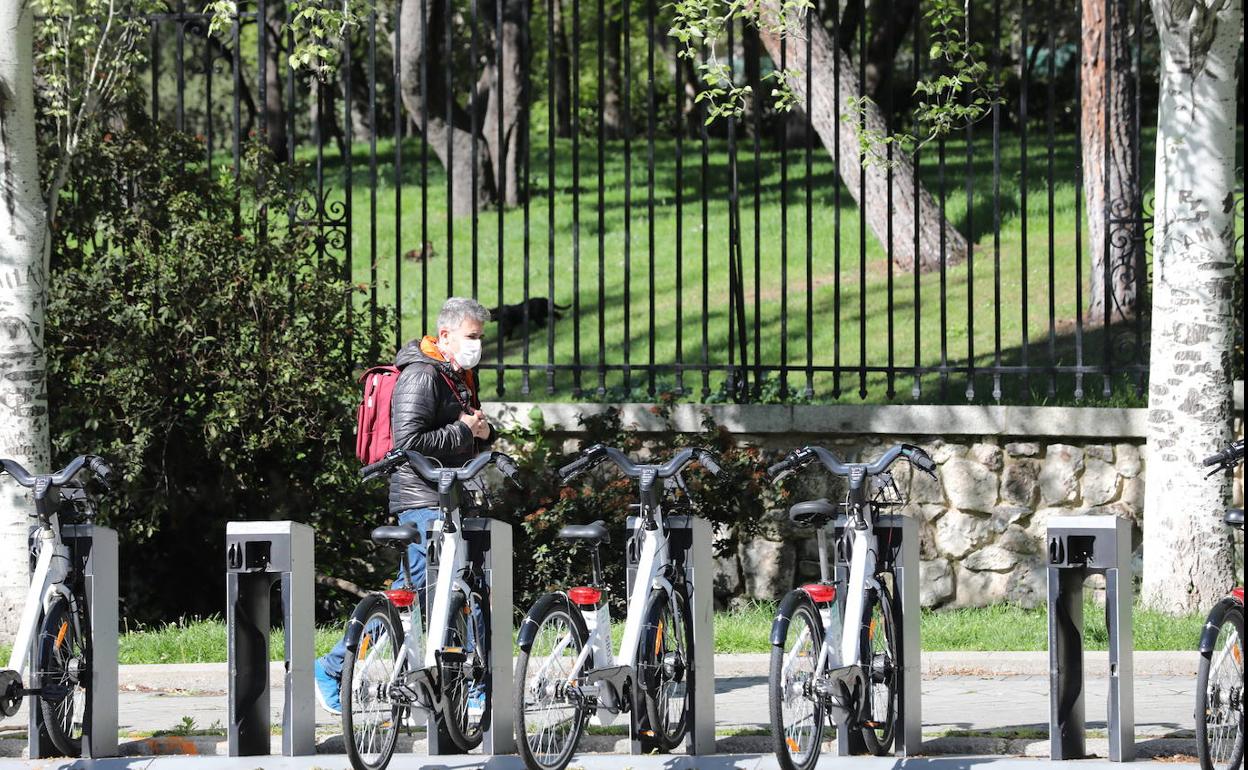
(434, 410)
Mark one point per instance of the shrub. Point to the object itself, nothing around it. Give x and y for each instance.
(199, 339)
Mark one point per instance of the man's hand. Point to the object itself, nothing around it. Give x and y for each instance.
(476, 422)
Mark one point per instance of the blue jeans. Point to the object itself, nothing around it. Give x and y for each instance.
(422, 519)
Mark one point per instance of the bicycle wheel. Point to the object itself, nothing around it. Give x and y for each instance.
(879, 661)
(548, 722)
(64, 674)
(370, 718)
(797, 714)
(1220, 694)
(664, 665)
(464, 720)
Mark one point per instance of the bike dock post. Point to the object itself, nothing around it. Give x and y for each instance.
(489, 544)
(1080, 546)
(94, 551)
(690, 545)
(260, 554)
(898, 538)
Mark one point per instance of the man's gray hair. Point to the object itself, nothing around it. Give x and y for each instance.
(456, 310)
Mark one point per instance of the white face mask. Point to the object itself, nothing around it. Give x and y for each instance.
(469, 354)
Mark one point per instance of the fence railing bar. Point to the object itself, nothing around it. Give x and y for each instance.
(996, 204)
(651, 109)
(576, 198)
(1079, 213)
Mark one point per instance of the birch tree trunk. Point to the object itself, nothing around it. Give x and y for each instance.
(1187, 559)
(23, 278)
(873, 194)
(1111, 182)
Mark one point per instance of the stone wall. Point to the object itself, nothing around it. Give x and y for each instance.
(982, 520)
(1003, 473)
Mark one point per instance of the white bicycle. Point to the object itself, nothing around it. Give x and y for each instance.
(389, 672)
(566, 671)
(822, 666)
(55, 606)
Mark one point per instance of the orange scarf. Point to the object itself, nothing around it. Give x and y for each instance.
(429, 346)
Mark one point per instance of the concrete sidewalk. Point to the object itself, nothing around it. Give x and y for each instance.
(973, 704)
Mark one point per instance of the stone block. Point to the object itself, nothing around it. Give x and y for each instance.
(1059, 475)
(1099, 484)
(1021, 482)
(935, 582)
(970, 485)
(958, 533)
(988, 455)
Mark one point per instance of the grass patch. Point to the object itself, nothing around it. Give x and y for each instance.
(201, 641)
(745, 629)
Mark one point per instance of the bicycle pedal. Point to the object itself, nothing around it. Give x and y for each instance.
(452, 655)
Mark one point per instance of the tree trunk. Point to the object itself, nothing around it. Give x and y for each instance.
(563, 76)
(874, 196)
(505, 147)
(1187, 548)
(23, 280)
(892, 22)
(613, 116)
(449, 136)
(1110, 179)
(274, 115)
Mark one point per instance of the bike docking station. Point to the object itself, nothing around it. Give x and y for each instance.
(898, 538)
(94, 550)
(258, 556)
(689, 541)
(489, 545)
(1079, 546)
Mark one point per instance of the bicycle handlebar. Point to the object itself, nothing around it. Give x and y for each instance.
(801, 457)
(1227, 457)
(597, 453)
(93, 463)
(433, 473)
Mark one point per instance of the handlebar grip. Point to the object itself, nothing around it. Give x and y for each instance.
(507, 466)
(710, 462)
(780, 467)
(920, 459)
(1220, 457)
(102, 471)
(376, 469)
(567, 472)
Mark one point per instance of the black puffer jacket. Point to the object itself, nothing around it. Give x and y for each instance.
(424, 417)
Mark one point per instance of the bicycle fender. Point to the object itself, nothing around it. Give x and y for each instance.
(528, 626)
(355, 626)
(784, 615)
(1209, 635)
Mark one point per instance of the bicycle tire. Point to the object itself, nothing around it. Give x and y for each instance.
(64, 664)
(665, 663)
(370, 719)
(464, 731)
(1219, 687)
(559, 637)
(797, 715)
(879, 661)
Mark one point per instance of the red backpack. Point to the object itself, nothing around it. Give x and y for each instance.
(373, 436)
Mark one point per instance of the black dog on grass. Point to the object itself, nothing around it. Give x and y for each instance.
(511, 317)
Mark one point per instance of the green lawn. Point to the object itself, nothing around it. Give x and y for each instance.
(617, 247)
(1001, 627)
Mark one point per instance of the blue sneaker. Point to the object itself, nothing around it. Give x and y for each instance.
(476, 704)
(327, 689)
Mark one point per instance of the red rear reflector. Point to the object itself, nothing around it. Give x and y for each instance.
(820, 593)
(584, 595)
(401, 597)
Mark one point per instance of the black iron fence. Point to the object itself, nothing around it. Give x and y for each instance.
(632, 249)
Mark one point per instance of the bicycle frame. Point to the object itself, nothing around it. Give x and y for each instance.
(47, 584)
(654, 555)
